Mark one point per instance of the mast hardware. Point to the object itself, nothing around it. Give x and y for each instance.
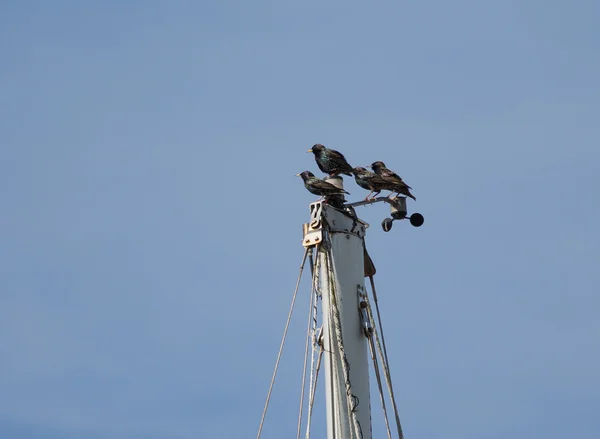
(313, 230)
(331, 220)
(397, 208)
(362, 309)
(318, 338)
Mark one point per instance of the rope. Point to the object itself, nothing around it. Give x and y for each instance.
(312, 394)
(308, 328)
(383, 356)
(378, 316)
(377, 348)
(333, 374)
(287, 324)
(345, 366)
(379, 385)
(311, 263)
(313, 373)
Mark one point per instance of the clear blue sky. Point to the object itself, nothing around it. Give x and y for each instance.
(151, 220)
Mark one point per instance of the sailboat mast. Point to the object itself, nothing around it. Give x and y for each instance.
(335, 236)
(341, 271)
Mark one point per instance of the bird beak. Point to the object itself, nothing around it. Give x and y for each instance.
(310, 150)
(297, 175)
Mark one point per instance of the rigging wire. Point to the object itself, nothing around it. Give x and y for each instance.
(315, 292)
(377, 348)
(287, 324)
(308, 327)
(313, 389)
(383, 356)
(379, 385)
(374, 291)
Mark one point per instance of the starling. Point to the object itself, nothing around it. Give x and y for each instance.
(330, 161)
(370, 181)
(396, 183)
(320, 187)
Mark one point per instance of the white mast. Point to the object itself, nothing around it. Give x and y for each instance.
(341, 271)
(339, 235)
(347, 385)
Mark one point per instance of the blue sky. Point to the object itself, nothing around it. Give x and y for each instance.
(151, 219)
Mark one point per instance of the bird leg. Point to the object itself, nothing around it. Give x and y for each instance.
(367, 198)
(375, 195)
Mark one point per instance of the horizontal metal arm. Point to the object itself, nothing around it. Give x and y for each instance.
(371, 201)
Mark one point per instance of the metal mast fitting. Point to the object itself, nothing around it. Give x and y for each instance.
(339, 238)
(398, 211)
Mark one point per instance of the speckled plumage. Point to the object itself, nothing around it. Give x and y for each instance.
(330, 161)
(370, 181)
(319, 187)
(396, 183)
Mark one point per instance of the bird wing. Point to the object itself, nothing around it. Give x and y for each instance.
(325, 186)
(339, 162)
(376, 179)
(393, 177)
(403, 185)
(336, 156)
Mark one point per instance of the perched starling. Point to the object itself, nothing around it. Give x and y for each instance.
(320, 187)
(330, 161)
(370, 181)
(396, 183)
